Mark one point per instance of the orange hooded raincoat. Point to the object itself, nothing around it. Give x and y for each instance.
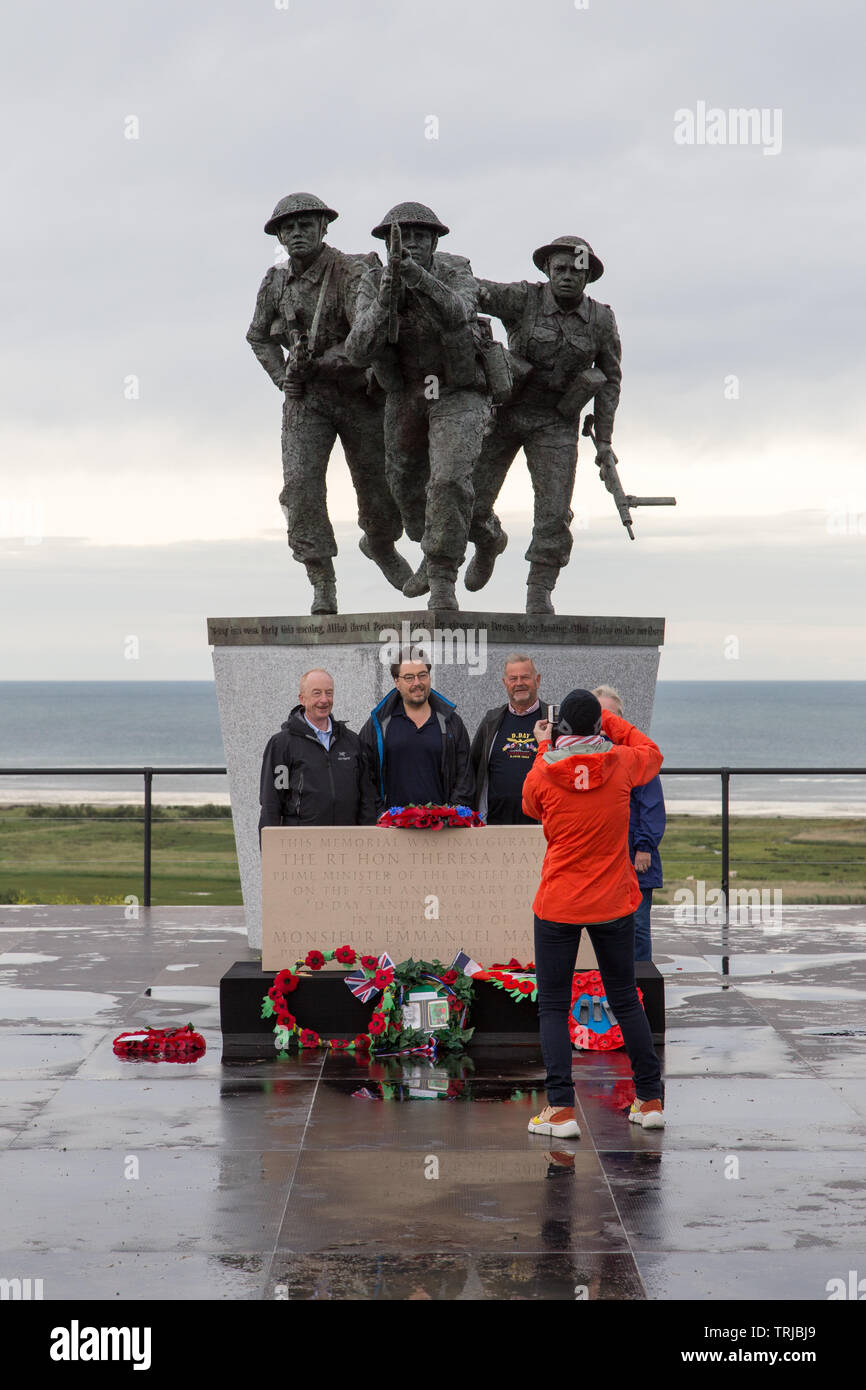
(582, 801)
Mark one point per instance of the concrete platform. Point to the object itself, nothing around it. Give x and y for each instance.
(314, 1178)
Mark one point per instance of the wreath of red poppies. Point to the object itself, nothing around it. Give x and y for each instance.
(160, 1045)
(385, 1025)
(429, 817)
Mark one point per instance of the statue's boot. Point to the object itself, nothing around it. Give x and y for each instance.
(539, 586)
(324, 581)
(480, 567)
(392, 564)
(417, 583)
(442, 580)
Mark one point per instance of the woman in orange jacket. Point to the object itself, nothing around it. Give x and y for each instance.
(580, 790)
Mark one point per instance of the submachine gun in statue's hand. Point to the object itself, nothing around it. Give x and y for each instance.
(299, 364)
(607, 468)
(395, 263)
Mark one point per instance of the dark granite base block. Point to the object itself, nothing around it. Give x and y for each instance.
(323, 1002)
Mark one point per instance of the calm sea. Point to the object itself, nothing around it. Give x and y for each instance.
(696, 723)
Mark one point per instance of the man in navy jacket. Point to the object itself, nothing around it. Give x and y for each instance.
(415, 745)
(646, 828)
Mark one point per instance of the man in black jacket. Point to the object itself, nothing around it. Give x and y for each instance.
(504, 747)
(415, 744)
(313, 770)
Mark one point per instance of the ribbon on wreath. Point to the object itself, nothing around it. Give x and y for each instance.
(428, 1050)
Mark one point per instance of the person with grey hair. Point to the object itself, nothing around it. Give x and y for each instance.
(313, 771)
(504, 747)
(646, 828)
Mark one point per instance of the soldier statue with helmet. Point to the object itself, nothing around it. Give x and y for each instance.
(303, 314)
(416, 324)
(564, 350)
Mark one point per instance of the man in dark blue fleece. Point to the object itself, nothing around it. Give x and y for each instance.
(415, 744)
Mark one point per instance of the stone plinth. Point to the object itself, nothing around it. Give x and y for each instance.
(424, 894)
(258, 663)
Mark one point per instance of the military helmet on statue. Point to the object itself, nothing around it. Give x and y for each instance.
(409, 215)
(294, 204)
(579, 245)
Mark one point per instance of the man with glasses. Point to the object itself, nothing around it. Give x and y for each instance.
(415, 745)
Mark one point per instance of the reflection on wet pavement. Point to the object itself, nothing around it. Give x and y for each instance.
(330, 1177)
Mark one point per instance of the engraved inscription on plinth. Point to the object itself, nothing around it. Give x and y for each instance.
(416, 893)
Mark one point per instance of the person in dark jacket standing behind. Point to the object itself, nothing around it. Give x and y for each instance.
(646, 828)
(415, 744)
(504, 748)
(313, 770)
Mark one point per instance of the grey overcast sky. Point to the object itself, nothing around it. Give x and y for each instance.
(734, 269)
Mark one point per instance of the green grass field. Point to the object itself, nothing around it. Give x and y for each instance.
(94, 854)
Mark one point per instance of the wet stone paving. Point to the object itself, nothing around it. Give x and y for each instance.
(325, 1177)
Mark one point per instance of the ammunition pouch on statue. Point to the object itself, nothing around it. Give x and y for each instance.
(494, 363)
(336, 370)
(504, 371)
(458, 352)
(580, 393)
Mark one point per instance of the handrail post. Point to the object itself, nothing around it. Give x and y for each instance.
(148, 789)
(726, 837)
(726, 867)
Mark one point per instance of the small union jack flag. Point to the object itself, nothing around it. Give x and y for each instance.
(362, 985)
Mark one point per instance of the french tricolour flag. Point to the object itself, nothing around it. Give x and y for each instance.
(465, 963)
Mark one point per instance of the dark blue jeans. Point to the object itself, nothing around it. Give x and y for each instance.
(643, 946)
(556, 946)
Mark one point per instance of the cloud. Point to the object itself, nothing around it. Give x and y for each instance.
(141, 258)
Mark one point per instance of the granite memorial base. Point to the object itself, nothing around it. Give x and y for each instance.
(258, 663)
(323, 1002)
(419, 894)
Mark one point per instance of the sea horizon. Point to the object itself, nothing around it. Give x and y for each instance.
(134, 723)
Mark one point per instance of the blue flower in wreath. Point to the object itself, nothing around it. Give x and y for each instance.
(464, 811)
(395, 810)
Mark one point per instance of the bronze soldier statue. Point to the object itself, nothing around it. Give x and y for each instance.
(415, 322)
(303, 313)
(565, 349)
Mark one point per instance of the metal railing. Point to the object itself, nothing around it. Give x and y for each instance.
(148, 773)
(726, 773)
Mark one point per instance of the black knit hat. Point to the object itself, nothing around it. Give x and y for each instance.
(579, 713)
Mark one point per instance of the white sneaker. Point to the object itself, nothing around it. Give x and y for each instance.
(557, 1120)
(647, 1113)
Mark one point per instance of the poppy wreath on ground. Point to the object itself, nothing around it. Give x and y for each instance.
(386, 1035)
(428, 817)
(591, 1023)
(160, 1045)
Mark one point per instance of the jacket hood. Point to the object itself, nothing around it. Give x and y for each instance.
(388, 702)
(296, 722)
(581, 770)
